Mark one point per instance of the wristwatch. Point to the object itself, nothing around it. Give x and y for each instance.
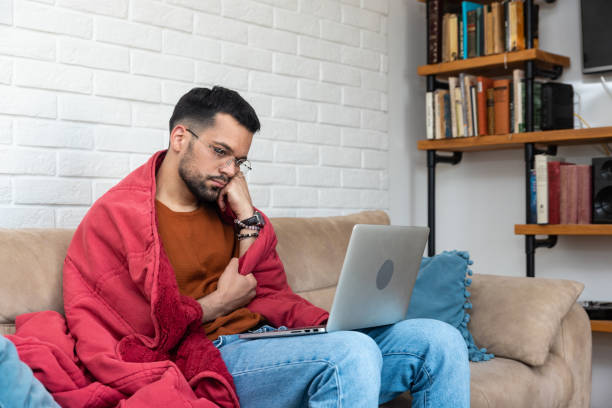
(256, 220)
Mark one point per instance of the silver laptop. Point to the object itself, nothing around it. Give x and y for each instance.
(376, 281)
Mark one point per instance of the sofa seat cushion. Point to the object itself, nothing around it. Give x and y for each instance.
(505, 383)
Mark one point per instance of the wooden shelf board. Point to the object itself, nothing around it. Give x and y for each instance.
(601, 326)
(563, 229)
(517, 140)
(495, 65)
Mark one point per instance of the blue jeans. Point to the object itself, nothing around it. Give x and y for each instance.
(352, 369)
(18, 386)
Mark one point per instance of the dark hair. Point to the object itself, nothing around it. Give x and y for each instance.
(200, 105)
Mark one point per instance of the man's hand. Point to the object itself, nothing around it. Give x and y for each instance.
(238, 197)
(233, 291)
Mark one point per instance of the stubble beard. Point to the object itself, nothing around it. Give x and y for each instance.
(195, 182)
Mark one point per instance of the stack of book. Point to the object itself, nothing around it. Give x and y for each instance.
(561, 192)
(467, 29)
(477, 106)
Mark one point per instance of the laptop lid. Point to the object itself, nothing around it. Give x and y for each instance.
(379, 271)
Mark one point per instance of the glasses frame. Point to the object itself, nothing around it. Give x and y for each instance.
(243, 165)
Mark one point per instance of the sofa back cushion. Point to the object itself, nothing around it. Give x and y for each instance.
(31, 263)
(313, 249)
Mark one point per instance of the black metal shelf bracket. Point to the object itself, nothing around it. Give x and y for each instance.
(433, 158)
(554, 73)
(549, 242)
(454, 159)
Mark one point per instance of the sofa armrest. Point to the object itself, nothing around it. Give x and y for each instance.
(518, 317)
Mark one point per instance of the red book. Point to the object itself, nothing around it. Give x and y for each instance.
(483, 83)
(584, 185)
(554, 191)
(501, 95)
(568, 206)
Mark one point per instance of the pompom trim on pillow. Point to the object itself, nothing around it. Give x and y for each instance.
(475, 354)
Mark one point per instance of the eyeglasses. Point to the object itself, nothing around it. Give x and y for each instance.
(221, 154)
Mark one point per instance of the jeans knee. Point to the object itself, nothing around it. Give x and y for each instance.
(357, 353)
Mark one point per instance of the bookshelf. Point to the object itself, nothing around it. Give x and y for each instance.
(602, 326)
(536, 63)
(518, 140)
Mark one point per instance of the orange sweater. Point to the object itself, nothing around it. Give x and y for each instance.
(199, 246)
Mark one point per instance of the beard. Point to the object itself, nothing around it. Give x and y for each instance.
(196, 182)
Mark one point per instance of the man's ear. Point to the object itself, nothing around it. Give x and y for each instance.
(179, 139)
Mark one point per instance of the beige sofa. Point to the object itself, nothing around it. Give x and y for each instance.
(541, 337)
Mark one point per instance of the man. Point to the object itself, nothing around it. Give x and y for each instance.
(202, 169)
(176, 256)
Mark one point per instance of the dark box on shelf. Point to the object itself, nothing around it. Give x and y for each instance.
(597, 310)
(557, 106)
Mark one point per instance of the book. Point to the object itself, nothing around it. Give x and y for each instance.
(472, 38)
(512, 26)
(429, 115)
(453, 29)
(490, 111)
(474, 107)
(434, 31)
(501, 95)
(506, 16)
(484, 84)
(445, 38)
(518, 76)
(439, 113)
(520, 25)
(541, 171)
(452, 85)
(447, 127)
(498, 27)
(459, 113)
(464, 106)
(480, 32)
(537, 106)
(461, 44)
(584, 194)
(554, 190)
(467, 6)
(568, 198)
(516, 25)
(468, 81)
(488, 30)
(533, 206)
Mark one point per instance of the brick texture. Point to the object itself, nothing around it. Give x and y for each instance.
(89, 86)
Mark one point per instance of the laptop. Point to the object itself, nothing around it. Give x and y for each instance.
(376, 281)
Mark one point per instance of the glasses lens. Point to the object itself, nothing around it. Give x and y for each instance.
(245, 167)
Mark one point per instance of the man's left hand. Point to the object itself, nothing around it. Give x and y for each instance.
(238, 197)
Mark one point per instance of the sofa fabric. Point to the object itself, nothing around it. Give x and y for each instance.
(31, 270)
(541, 337)
(525, 317)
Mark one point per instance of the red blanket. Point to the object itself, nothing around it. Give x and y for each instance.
(129, 338)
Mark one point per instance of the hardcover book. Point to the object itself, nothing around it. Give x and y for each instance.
(554, 190)
(452, 86)
(484, 84)
(541, 171)
(568, 205)
(584, 193)
(501, 94)
(467, 6)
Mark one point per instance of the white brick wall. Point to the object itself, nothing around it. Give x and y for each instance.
(87, 88)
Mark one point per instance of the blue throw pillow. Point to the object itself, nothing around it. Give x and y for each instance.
(440, 293)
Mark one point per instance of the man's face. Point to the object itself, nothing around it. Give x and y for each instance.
(204, 166)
